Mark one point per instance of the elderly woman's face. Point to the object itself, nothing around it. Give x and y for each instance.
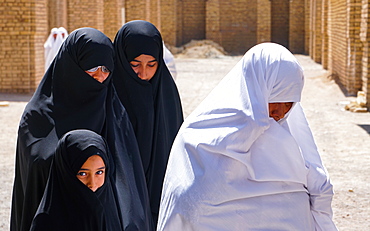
(100, 73)
(277, 111)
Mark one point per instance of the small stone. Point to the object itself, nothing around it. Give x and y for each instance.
(4, 103)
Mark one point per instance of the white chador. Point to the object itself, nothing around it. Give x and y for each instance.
(232, 167)
(53, 43)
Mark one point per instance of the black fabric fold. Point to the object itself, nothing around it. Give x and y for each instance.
(153, 106)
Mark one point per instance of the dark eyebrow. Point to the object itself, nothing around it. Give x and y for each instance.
(154, 60)
(85, 169)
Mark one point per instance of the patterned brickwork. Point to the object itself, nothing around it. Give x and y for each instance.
(307, 24)
(263, 21)
(213, 21)
(280, 22)
(316, 30)
(354, 70)
(296, 26)
(22, 30)
(112, 17)
(333, 32)
(365, 39)
(57, 13)
(136, 9)
(168, 21)
(324, 34)
(232, 24)
(85, 13)
(338, 50)
(193, 20)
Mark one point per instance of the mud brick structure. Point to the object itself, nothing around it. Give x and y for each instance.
(334, 33)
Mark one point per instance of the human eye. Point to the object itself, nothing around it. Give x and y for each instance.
(81, 174)
(100, 172)
(105, 69)
(152, 64)
(289, 105)
(134, 64)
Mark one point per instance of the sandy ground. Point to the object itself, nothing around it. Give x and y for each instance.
(343, 137)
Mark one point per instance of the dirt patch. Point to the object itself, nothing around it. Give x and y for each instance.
(201, 49)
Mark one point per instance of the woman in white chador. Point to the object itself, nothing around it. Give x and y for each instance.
(53, 43)
(246, 159)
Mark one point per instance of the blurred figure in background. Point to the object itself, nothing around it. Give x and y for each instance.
(53, 43)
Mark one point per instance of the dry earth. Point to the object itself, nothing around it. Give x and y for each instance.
(343, 137)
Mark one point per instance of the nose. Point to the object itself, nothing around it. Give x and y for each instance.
(92, 184)
(142, 73)
(278, 112)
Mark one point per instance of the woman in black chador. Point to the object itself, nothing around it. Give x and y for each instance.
(79, 194)
(76, 92)
(150, 96)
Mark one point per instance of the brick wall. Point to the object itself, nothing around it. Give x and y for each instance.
(56, 13)
(213, 14)
(280, 22)
(307, 24)
(337, 38)
(352, 77)
(23, 26)
(316, 30)
(112, 17)
(264, 21)
(232, 24)
(365, 39)
(168, 21)
(345, 48)
(332, 32)
(324, 34)
(296, 26)
(193, 20)
(83, 13)
(132, 12)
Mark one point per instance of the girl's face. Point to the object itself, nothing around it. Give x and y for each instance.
(92, 172)
(144, 66)
(277, 111)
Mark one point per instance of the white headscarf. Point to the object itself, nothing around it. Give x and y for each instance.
(53, 43)
(229, 150)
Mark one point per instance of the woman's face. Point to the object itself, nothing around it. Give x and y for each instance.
(277, 111)
(99, 73)
(92, 172)
(144, 66)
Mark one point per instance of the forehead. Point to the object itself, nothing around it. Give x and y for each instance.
(94, 161)
(144, 58)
